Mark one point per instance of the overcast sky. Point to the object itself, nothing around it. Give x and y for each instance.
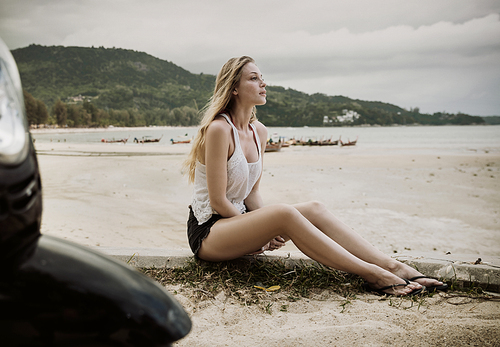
(438, 55)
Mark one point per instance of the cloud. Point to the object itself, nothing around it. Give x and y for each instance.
(439, 55)
(401, 64)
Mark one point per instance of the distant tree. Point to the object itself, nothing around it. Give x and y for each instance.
(42, 113)
(73, 116)
(191, 115)
(93, 111)
(36, 111)
(60, 112)
(30, 105)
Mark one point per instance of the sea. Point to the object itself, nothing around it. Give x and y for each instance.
(458, 138)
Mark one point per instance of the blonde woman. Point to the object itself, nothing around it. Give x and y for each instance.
(228, 218)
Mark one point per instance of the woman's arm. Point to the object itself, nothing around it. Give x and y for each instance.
(217, 150)
(254, 199)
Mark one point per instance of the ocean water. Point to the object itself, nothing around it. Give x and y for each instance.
(461, 138)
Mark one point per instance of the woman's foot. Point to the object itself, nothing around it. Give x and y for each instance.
(385, 282)
(391, 289)
(407, 272)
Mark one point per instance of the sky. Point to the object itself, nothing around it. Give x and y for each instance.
(437, 55)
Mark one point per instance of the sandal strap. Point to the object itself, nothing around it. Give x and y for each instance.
(396, 285)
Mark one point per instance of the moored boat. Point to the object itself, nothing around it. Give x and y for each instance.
(147, 139)
(275, 143)
(273, 146)
(181, 141)
(330, 142)
(314, 142)
(115, 141)
(348, 143)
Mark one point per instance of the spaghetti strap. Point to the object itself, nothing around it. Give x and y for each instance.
(237, 137)
(235, 131)
(256, 136)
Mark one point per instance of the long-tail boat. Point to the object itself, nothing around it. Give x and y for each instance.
(115, 141)
(180, 141)
(147, 139)
(329, 142)
(348, 143)
(273, 146)
(311, 142)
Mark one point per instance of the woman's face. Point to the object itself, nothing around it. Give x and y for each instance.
(251, 90)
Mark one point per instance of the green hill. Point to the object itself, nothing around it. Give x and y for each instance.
(148, 88)
(114, 78)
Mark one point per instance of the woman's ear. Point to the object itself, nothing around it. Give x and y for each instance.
(235, 92)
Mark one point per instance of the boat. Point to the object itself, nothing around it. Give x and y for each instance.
(330, 142)
(348, 143)
(275, 143)
(273, 146)
(147, 139)
(115, 141)
(311, 142)
(180, 141)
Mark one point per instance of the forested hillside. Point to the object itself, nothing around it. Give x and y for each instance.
(109, 86)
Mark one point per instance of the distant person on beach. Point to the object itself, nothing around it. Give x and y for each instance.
(228, 218)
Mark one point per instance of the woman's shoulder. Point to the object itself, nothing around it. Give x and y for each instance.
(219, 126)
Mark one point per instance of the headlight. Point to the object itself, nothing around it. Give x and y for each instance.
(14, 138)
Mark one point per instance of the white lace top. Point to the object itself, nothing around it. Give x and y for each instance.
(241, 177)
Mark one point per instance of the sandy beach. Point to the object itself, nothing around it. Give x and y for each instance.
(135, 195)
(115, 195)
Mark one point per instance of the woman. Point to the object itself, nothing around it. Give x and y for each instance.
(228, 218)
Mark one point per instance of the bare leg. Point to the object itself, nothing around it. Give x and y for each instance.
(233, 237)
(324, 220)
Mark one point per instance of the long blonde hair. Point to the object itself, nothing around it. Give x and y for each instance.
(227, 79)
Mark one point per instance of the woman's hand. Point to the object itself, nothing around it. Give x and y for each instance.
(275, 243)
(272, 245)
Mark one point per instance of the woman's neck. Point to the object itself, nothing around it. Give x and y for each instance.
(241, 117)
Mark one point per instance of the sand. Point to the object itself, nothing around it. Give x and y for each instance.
(326, 320)
(423, 200)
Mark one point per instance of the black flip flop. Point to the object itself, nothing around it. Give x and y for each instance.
(381, 290)
(431, 289)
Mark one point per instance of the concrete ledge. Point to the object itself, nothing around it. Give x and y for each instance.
(464, 270)
(149, 257)
(459, 269)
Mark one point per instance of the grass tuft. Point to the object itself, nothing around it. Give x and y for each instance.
(246, 280)
(233, 276)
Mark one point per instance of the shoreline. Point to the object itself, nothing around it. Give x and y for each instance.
(110, 129)
(97, 130)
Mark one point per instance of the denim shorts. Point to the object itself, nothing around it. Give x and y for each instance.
(197, 233)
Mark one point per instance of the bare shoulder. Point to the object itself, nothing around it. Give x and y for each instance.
(217, 141)
(261, 129)
(219, 127)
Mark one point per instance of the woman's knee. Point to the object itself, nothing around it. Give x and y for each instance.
(285, 214)
(312, 208)
(285, 210)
